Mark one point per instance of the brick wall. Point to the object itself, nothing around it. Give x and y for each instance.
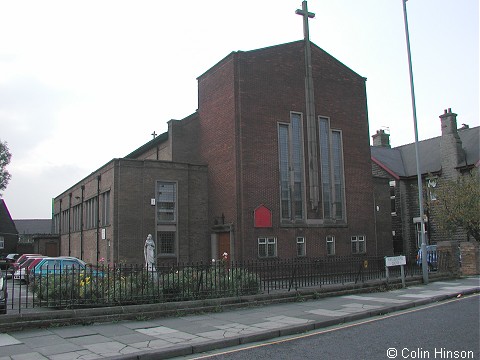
(241, 101)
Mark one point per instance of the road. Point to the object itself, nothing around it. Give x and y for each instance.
(447, 330)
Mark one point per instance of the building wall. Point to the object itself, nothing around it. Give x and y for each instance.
(132, 185)
(241, 102)
(217, 142)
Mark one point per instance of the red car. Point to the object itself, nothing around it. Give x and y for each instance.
(16, 265)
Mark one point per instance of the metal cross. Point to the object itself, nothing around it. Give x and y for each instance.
(154, 134)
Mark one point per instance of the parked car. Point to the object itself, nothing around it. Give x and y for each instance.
(432, 257)
(61, 265)
(20, 261)
(7, 260)
(22, 272)
(3, 293)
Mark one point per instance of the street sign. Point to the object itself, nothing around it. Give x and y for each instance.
(395, 261)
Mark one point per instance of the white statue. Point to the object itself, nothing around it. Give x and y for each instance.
(149, 253)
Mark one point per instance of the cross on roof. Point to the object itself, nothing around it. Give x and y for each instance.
(154, 134)
(304, 12)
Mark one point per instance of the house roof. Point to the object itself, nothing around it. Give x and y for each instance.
(401, 161)
(7, 226)
(33, 226)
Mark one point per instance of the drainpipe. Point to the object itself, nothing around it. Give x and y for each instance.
(99, 177)
(81, 222)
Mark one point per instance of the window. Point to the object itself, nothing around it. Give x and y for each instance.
(431, 186)
(64, 220)
(105, 220)
(91, 213)
(301, 248)
(331, 171)
(77, 218)
(267, 247)
(166, 202)
(358, 244)
(393, 208)
(291, 168)
(330, 245)
(2, 242)
(56, 223)
(166, 242)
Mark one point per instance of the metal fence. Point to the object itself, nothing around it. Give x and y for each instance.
(134, 284)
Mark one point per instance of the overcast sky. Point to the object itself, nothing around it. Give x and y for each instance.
(83, 82)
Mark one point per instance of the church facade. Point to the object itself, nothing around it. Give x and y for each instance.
(264, 171)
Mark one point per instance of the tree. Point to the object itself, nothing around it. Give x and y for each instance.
(458, 204)
(5, 157)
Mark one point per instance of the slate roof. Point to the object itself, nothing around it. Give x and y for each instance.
(401, 161)
(33, 226)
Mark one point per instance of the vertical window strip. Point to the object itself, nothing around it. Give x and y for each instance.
(284, 171)
(297, 159)
(105, 208)
(324, 136)
(166, 202)
(338, 173)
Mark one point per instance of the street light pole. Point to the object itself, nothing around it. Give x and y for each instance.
(419, 175)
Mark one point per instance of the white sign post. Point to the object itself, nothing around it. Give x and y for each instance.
(396, 261)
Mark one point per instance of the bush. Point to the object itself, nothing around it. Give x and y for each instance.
(127, 285)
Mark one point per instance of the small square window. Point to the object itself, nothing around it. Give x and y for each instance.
(267, 247)
(358, 244)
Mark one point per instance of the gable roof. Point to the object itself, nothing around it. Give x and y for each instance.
(7, 226)
(293, 44)
(401, 161)
(33, 226)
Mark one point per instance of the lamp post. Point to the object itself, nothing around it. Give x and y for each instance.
(419, 175)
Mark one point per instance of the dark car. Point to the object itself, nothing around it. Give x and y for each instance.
(3, 293)
(7, 260)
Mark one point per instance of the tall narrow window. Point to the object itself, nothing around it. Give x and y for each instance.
(2, 242)
(325, 167)
(284, 172)
(331, 167)
(105, 208)
(393, 208)
(166, 202)
(291, 168)
(166, 206)
(337, 173)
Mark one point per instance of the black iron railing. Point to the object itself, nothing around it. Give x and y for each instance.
(134, 284)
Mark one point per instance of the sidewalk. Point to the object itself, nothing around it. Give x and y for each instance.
(180, 336)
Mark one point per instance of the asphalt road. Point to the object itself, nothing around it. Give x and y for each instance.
(447, 330)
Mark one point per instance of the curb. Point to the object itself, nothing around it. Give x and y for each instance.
(285, 331)
(15, 322)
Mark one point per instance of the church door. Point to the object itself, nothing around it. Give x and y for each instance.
(223, 245)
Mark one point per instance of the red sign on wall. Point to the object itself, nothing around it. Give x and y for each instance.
(263, 217)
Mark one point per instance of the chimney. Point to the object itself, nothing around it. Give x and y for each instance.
(382, 139)
(450, 145)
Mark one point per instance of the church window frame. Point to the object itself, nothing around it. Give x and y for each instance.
(291, 169)
(332, 172)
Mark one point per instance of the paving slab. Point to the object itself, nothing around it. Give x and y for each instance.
(178, 336)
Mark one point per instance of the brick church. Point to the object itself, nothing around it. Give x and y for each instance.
(275, 163)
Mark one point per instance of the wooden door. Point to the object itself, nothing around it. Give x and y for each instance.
(223, 245)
